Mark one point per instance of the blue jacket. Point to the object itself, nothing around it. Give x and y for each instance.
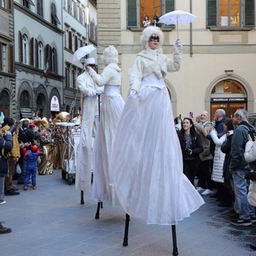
(240, 137)
(7, 147)
(31, 158)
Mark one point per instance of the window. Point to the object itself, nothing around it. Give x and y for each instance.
(24, 99)
(55, 19)
(3, 3)
(25, 48)
(230, 13)
(40, 7)
(26, 3)
(40, 55)
(70, 7)
(138, 9)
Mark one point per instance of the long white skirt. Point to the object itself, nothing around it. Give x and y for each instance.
(110, 112)
(147, 161)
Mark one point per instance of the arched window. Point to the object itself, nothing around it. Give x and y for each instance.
(25, 48)
(24, 99)
(229, 95)
(40, 55)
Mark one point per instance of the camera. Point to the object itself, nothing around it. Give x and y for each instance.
(12, 129)
(188, 151)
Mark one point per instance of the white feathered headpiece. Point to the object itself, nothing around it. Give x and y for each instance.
(147, 32)
(110, 55)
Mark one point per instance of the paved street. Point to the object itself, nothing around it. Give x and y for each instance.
(51, 221)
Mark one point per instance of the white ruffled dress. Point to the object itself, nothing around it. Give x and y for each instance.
(147, 160)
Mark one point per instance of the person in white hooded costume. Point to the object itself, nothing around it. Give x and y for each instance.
(146, 156)
(110, 111)
(88, 91)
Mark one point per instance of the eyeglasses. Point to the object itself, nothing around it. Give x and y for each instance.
(154, 38)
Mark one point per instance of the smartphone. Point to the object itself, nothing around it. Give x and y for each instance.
(191, 115)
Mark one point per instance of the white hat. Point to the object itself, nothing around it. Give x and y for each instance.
(90, 61)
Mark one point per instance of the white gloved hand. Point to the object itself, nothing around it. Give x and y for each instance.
(98, 92)
(91, 93)
(133, 92)
(178, 43)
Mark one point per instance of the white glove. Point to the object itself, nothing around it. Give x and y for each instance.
(91, 93)
(178, 43)
(133, 92)
(98, 92)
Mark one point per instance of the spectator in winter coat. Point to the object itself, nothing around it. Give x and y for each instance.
(13, 158)
(237, 167)
(191, 147)
(6, 147)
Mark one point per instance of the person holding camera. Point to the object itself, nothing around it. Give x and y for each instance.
(14, 156)
(5, 147)
(191, 147)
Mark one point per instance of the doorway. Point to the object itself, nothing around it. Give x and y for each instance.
(229, 95)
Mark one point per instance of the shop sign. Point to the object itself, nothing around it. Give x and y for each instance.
(55, 106)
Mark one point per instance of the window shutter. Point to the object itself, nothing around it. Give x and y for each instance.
(69, 40)
(36, 53)
(10, 5)
(11, 59)
(1, 67)
(31, 52)
(249, 10)
(169, 6)
(76, 43)
(132, 13)
(20, 47)
(211, 19)
(49, 53)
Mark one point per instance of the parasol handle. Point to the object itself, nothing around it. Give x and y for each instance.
(177, 27)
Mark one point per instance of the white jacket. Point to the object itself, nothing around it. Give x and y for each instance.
(86, 85)
(250, 151)
(219, 156)
(111, 74)
(145, 65)
(252, 193)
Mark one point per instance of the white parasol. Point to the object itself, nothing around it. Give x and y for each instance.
(177, 18)
(82, 51)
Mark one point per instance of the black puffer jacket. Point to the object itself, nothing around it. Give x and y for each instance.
(5, 148)
(196, 146)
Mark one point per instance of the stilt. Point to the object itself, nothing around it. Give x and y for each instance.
(126, 230)
(174, 241)
(97, 215)
(82, 197)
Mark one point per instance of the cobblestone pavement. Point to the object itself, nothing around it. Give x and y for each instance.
(51, 221)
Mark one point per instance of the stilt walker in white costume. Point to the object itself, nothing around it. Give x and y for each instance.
(146, 156)
(88, 107)
(110, 111)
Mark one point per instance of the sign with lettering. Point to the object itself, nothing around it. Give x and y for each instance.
(55, 106)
